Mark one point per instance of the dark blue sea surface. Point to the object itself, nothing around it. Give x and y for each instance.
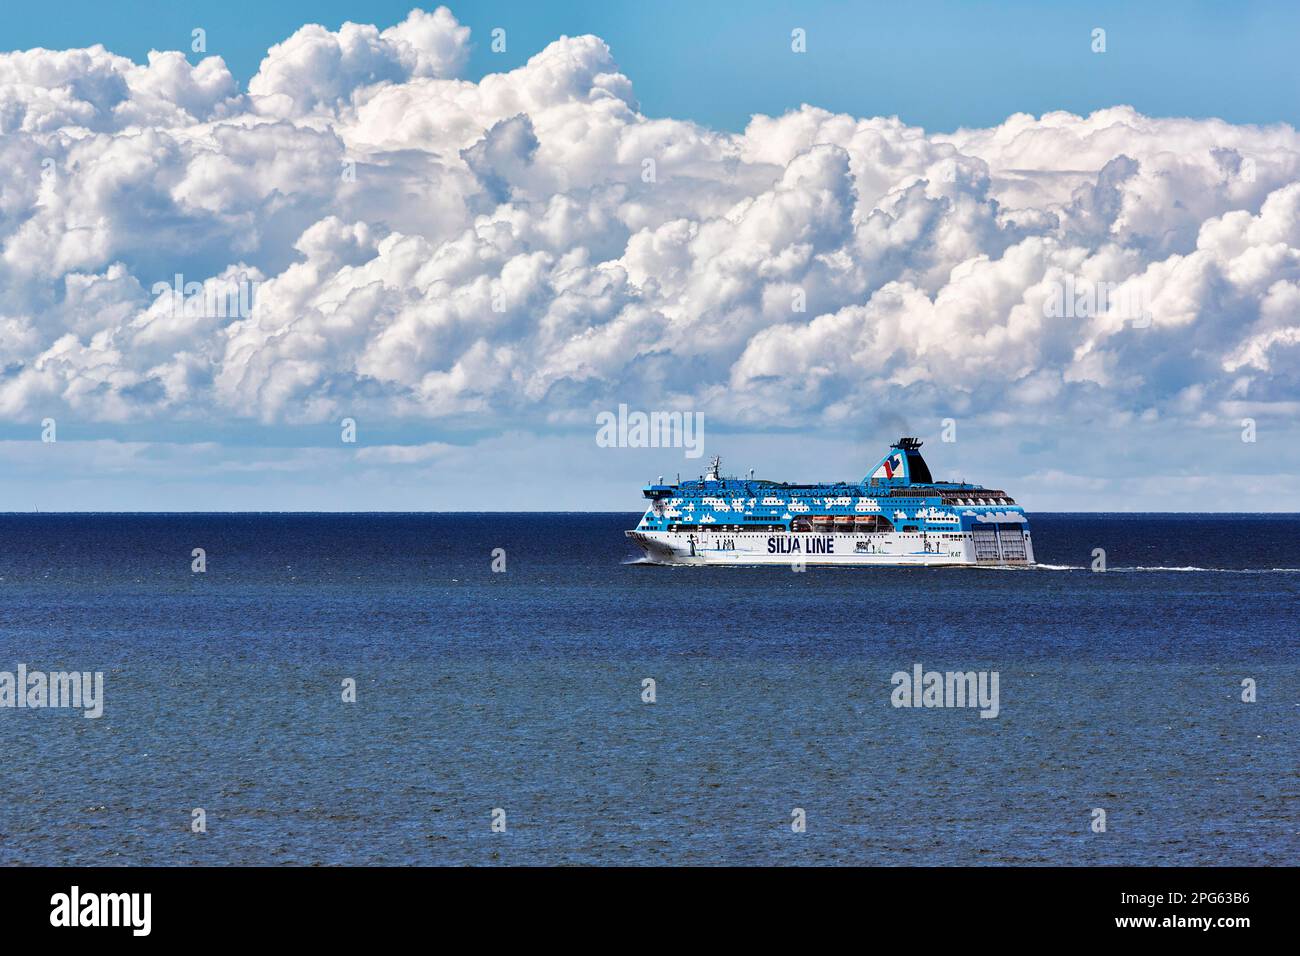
(522, 690)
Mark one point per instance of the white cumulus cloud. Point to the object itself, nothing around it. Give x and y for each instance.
(529, 248)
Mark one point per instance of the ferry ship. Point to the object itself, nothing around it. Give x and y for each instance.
(897, 515)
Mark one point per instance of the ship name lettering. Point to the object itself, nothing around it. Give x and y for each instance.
(792, 545)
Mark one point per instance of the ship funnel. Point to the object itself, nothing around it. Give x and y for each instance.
(903, 465)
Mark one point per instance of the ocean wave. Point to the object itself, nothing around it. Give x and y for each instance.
(1139, 568)
(1209, 570)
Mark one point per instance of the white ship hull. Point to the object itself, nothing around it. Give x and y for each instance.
(785, 548)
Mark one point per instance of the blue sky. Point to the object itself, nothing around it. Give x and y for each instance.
(936, 65)
(464, 250)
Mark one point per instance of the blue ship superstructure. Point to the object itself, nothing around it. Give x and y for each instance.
(897, 514)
